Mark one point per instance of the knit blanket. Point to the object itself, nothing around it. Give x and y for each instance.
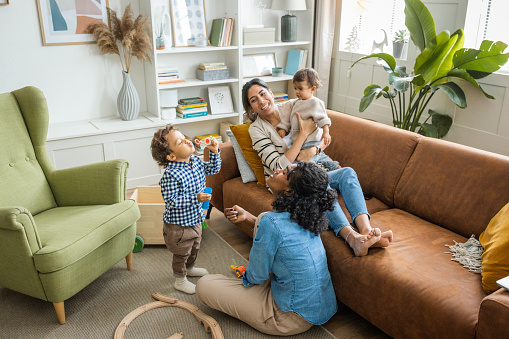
(467, 254)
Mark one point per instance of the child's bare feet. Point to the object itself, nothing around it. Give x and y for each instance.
(361, 243)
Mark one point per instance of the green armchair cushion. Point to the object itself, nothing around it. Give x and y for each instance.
(63, 243)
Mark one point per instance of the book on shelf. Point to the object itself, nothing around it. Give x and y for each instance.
(193, 100)
(168, 75)
(191, 115)
(208, 66)
(191, 110)
(280, 97)
(188, 106)
(294, 61)
(220, 33)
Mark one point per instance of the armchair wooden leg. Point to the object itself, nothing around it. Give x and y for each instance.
(59, 308)
(129, 261)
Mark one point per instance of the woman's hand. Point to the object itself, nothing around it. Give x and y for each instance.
(235, 214)
(307, 126)
(306, 154)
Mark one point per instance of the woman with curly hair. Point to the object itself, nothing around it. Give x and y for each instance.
(287, 287)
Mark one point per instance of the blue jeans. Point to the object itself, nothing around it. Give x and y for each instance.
(345, 180)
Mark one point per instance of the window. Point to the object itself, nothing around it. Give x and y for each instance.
(363, 23)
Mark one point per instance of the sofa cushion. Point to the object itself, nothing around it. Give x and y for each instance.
(378, 153)
(454, 186)
(246, 172)
(411, 285)
(495, 258)
(241, 133)
(67, 233)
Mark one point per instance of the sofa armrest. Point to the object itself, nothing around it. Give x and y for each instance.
(102, 183)
(494, 316)
(229, 170)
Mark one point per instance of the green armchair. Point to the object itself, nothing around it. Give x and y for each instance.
(59, 229)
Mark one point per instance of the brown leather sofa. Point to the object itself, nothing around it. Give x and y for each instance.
(429, 193)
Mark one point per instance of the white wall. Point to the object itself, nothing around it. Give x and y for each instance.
(78, 82)
(483, 124)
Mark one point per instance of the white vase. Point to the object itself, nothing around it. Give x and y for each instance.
(128, 101)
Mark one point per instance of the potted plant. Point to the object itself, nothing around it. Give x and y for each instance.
(399, 42)
(443, 64)
(128, 38)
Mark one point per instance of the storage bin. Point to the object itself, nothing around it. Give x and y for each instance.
(259, 35)
(213, 74)
(151, 204)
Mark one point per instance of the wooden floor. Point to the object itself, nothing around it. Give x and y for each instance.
(344, 324)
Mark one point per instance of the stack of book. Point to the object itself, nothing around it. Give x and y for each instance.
(191, 107)
(198, 149)
(280, 97)
(221, 32)
(168, 75)
(210, 66)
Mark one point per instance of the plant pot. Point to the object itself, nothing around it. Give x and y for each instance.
(128, 101)
(397, 49)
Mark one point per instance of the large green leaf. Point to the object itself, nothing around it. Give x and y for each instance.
(401, 84)
(454, 92)
(463, 74)
(442, 123)
(488, 59)
(428, 130)
(389, 59)
(369, 95)
(436, 59)
(420, 23)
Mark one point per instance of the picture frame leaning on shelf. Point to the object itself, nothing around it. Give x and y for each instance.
(189, 22)
(220, 100)
(256, 65)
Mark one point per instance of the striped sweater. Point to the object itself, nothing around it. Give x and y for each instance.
(269, 145)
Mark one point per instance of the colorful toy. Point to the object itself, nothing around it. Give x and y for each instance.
(207, 141)
(239, 270)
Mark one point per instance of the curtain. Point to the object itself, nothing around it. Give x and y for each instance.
(325, 23)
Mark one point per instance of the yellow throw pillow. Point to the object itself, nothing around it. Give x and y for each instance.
(495, 258)
(241, 133)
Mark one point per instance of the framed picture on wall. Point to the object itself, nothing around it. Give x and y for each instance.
(257, 65)
(4, 2)
(220, 100)
(189, 22)
(64, 22)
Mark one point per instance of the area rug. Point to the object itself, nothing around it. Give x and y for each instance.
(96, 311)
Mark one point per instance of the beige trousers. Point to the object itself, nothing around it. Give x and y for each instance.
(253, 305)
(184, 243)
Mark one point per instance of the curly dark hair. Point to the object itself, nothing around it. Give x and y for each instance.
(308, 74)
(308, 198)
(245, 100)
(160, 147)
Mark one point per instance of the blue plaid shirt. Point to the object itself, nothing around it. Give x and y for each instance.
(180, 184)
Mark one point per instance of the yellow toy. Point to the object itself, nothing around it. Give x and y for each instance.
(239, 270)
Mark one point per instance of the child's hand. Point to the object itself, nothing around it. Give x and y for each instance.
(282, 133)
(214, 145)
(326, 138)
(202, 197)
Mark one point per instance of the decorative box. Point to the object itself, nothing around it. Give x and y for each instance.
(259, 35)
(213, 74)
(151, 204)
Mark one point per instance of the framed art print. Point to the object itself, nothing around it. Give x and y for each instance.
(189, 23)
(63, 22)
(257, 65)
(220, 100)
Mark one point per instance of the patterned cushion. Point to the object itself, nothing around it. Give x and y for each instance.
(246, 172)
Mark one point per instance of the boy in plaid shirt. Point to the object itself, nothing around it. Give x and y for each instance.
(182, 187)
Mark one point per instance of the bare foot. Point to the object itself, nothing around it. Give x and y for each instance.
(385, 239)
(361, 243)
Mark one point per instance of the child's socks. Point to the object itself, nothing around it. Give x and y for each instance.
(182, 284)
(197, 272)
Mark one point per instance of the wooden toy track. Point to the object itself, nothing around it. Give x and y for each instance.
(211, 326)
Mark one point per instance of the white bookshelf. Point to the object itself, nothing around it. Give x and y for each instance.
(82, 142)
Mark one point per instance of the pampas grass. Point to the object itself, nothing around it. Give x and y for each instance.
(128, 37)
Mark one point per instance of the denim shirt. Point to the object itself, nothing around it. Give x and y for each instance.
(301, 282)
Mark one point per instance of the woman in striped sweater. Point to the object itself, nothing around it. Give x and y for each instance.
(258, 101)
